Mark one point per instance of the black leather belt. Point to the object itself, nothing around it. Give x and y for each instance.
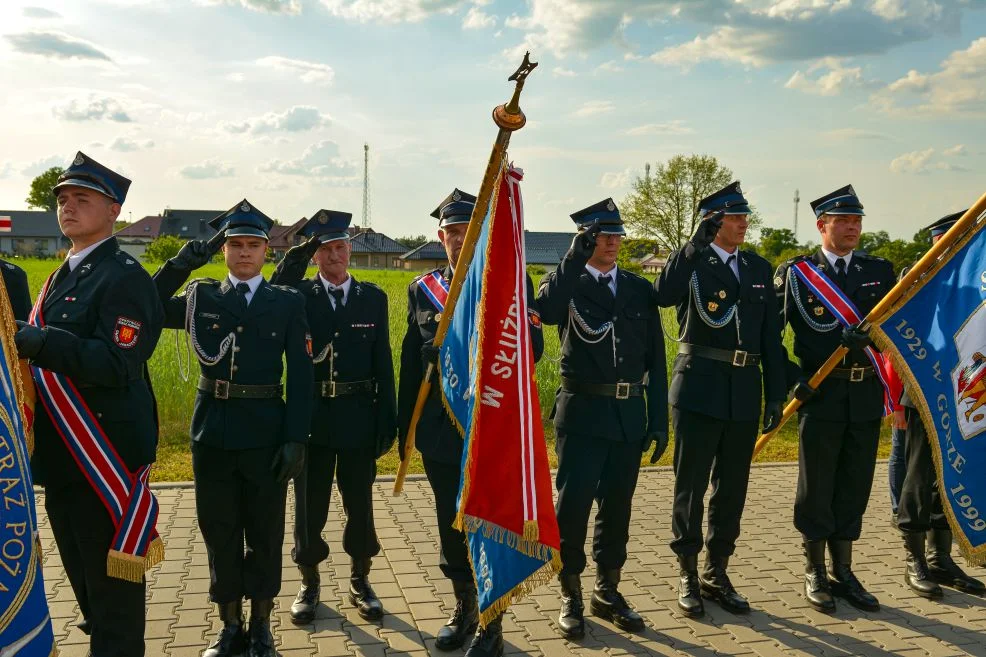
(332, 389)
(225, 390)
(736, 358)
(853, 374)
(617, 390)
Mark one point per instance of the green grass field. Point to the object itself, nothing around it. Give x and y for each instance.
(175, 394)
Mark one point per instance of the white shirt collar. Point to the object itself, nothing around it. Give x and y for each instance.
(724, 254)
(346, 284)
(254, 282)
(75, 259)
(597, 274)
(831, 257)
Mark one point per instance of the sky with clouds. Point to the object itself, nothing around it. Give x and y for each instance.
(203, 102)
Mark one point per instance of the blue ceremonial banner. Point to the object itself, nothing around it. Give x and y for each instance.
(25, 626)
(936, 336)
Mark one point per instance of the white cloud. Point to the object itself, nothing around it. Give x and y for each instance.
(959, 150)
(55, 45)
(609, 67)
(6, 169)
(917, 162)
(837, 79)
(958, 87)
(594, 108)
(476, 19)
(310, 72)
(390, 11)
(676, 127)
(617, 179)
(299, 118)
(40, 166)
(320, 160)
(211, 168)
(266, 6)
(40, 12)
(95, 108)
(127, 144)
(560, 72)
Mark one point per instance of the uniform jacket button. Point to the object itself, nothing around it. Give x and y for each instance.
(64, 315)
(336, 334)
(273, 334)
(235, 367)
(239, 329)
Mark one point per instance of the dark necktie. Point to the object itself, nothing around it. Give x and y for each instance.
(337, 293)
(729, 263)
(604, 282)
(840, 272)
(242, 289)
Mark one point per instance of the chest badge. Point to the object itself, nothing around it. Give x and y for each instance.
(722, 294)
(819, 310)
(712, 306)
(438, 317)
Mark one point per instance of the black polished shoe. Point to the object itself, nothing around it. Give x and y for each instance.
(689, 590)
(608, 603)
(844, 582)
(916, 571)
(304, 605)
(943, 569)
(361, 595)
(488, 641)
(716, 586)
(464, 620)
(817, 590)
(571, 620)
(231, 640)
(260, 637)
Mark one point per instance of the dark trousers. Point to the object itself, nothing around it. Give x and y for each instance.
(706, 450)
(114, 607)
(592, 468)
(240, 508)
(444, 480)
(355, 470)
(836, 463)
(920, 506)
(896, 467)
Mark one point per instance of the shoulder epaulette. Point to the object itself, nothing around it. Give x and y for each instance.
(126, 259)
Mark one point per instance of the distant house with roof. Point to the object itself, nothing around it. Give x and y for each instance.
(188, 224)
(653, 263)
(283, 238)
(31, 233)
(546, 248)
(373, 250)
(429, 255)
(135, 237)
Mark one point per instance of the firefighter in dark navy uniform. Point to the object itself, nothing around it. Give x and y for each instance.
(729, 359)
(15, 280)
(437, 438)
(611, 406)
(248, 431)
(839, 424)
(97, 290)
(354, 419)
(920, 515)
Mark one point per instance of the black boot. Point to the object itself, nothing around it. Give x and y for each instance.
(943, 569)
(464, 619)
(689, 591)
(844, 582)
(608, 603)
(488, 641)
(261, 639)
(368, 606)
(817, 589)
(304, 605)
(916, 572)
(232, 637)
(716, 586)
(571, 621)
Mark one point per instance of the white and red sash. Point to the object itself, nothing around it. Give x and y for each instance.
(846, 313)
(435, 287)
(132, 507)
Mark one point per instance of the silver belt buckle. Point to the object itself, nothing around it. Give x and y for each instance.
(222, 389)
(623, 390)
(856, 374)
(739, 358)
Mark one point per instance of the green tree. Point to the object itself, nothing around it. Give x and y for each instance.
(775, 241)
(412, 241)
(870, 242)
(162, 248)
(662, 207)
(40, 196)
(631, 250)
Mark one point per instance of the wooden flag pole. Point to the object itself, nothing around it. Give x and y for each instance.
(509, 118)
(886, 305)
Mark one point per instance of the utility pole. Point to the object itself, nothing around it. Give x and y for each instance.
(797, 199)
(366, 186)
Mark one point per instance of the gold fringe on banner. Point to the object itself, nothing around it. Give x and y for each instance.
(539, 578)
(132, 568)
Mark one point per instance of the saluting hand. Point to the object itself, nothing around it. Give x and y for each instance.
(192, 255)
(707, 230)
(584, 243)
(289, 461)
(302, 252)
(29, 339)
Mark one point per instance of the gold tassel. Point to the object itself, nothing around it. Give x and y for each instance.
(130, 567)
(531, 531)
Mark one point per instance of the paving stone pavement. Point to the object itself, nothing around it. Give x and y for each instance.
(767, 568)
